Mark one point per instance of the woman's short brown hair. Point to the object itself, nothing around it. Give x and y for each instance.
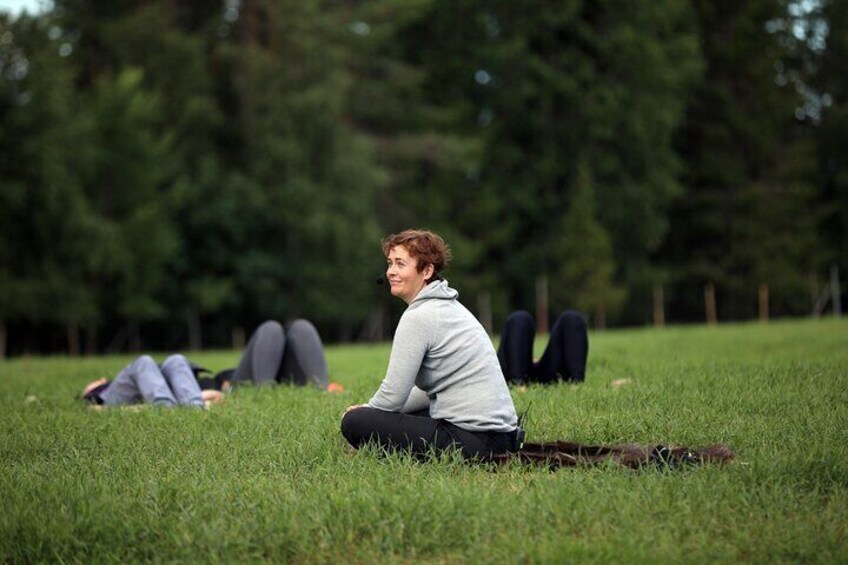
(428, 248)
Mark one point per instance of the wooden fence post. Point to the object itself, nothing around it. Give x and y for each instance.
(73, 339)
(195, 330)
(484, 306)
(659, 306)
(710, 303)
(814, 293)
(238, 338)
(91, 338)
(764, 302)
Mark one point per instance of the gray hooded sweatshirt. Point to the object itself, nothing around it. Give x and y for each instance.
(443, 359)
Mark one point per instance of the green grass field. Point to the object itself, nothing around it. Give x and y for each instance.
(266, 476)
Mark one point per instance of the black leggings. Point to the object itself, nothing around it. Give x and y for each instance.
(564, 357)
(421, 435)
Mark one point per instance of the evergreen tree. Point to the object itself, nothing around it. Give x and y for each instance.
(749, 162)
(44, 220)
(124, 181)
(313, 234)
(600, 82)
(585, 277)
(832, 136)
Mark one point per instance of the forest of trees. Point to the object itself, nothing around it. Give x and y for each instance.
(173, 172)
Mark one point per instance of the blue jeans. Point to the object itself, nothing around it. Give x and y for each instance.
(172, 384)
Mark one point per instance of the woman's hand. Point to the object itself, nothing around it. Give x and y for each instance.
(211, 397)
(354, 407)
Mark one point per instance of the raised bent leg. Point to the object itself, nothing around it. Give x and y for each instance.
(567, 351)
(180, 377)
(515, 351)
(304, 360)
(263, 355)
(139, 381)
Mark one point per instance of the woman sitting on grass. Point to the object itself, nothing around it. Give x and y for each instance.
(171, 384)
(443, 388)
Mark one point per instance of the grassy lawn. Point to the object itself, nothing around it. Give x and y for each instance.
(266, 476)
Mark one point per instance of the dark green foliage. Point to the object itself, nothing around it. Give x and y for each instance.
(171, 170)
(750, 212)
(832, 82)
(45, 224)
(585, 277)
(127, 166)
(598, 83)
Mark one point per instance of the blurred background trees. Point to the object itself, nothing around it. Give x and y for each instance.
(173, 172)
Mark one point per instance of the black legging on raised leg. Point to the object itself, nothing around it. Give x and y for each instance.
(564, 357)
(421, 435)
(274, 355)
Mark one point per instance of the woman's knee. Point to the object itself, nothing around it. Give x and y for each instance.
(355, 426)
(174, 361)
(303, 331)
(269, 328)
(266, 347)
(144, 362)
(572, 320)
(518, 320)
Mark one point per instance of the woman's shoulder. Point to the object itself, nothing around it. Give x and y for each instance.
(425, 315)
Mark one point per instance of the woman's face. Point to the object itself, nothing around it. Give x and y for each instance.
(405, 281)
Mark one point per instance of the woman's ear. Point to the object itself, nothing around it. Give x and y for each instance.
(428, 271)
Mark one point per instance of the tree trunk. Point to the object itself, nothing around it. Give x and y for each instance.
(91, 339)
(133, 337)
(2, 339)
(238, 338)
(601, 317)
(73, 339)
(542, 305)
(764, 302)
(835, 291)
(485, 308)
(659, 306)
(195, 338)
(710, 303)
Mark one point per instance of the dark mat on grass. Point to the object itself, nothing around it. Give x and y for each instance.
(558, 454)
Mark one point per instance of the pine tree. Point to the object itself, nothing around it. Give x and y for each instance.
(44, 219)
(832, 136)
(749, 164)
(585, 266)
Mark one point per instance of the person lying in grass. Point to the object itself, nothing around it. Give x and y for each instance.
(564, 358)
(443, 388)
(173, 383)
(276, 355)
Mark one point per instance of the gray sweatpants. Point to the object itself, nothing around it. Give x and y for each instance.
(143, 380)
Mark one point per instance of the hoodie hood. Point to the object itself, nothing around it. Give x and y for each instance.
(436, 290)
